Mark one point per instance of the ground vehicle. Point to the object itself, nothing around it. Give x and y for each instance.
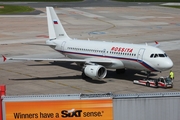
(164, 82)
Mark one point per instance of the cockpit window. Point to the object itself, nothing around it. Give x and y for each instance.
(156, 55)
(151, 55)
(161, 55)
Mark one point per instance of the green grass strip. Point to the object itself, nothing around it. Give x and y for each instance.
(13, 9)
(174, 6)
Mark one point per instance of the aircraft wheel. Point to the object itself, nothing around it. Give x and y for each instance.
(147, 84)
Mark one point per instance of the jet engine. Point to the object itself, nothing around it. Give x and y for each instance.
(95, 71)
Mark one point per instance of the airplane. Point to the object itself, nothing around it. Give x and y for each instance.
(95, 57)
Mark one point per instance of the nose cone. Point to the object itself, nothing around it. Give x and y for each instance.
(169, 64)
(166, 65)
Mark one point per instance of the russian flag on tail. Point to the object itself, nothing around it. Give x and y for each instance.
(55, 22)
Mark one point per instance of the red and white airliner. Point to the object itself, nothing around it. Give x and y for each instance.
(97, 56)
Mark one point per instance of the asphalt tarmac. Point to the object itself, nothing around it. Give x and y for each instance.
(130, 24)
(85, 3)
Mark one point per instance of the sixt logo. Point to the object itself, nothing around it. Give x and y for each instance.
(71, 113)
(80, 113)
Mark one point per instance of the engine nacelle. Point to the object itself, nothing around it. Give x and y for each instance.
(95, 71)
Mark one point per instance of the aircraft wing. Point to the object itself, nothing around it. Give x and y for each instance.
(88, 60)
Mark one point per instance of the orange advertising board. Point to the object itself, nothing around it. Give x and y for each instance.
(99, 109)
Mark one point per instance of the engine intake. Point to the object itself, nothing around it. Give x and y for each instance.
(95, 71)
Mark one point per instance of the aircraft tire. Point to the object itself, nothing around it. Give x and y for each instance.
(147, 84)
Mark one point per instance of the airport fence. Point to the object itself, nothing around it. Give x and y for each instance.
(102, 106)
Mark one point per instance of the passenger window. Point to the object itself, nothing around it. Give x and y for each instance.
(151, 55)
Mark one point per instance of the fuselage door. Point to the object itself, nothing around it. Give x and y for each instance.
(104, 52)
(62, 45)
(140, 55)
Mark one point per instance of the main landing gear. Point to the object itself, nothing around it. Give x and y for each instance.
(148, 74)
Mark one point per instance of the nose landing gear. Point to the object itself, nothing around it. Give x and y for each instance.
(148, 74)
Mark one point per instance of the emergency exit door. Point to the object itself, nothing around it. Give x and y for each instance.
(140, 55)
(62, 45)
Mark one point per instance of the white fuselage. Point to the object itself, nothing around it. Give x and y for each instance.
(122, 55)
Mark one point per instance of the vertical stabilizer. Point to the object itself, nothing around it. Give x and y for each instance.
(55, 28)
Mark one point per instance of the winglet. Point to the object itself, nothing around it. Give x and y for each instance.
(156, 44)
(4, 58)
